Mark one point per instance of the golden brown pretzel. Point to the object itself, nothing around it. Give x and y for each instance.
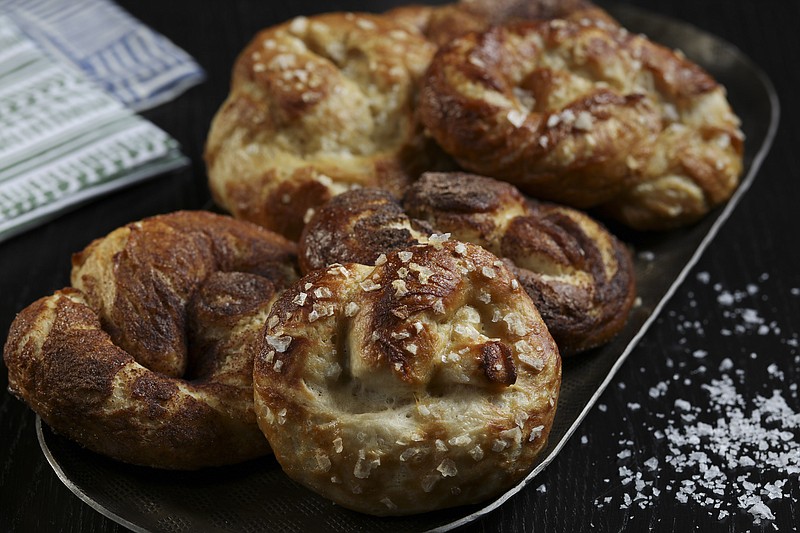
(442, 24)
(579, 275)
(317, 106)
(587, 114)
(426, 382)
(148, 357)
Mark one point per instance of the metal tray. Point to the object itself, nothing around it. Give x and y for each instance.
(257, 496)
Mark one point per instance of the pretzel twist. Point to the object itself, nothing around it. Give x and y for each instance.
(148, 357)
(425, 382)
(579, 275)
(317, 106)
(585, 113)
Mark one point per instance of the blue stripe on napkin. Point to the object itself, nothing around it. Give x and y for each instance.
(62, 139)
(138, 66)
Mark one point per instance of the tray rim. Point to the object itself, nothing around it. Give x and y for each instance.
(75, 489)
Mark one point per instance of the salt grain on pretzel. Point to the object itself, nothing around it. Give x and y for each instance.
(586, 114)
(578, 274)
(318, 106)
(411, 420)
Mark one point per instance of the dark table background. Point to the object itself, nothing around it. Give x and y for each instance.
(757, 247)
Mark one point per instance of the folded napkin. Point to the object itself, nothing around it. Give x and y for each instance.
(138, 66)
(62, 139)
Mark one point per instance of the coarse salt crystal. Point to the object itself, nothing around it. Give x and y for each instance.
(424, 273)
(436, 239)
(585, 121)
(322, 292)
(461, 440)
(298, 25)
(365, 24)
(476, 453)
(351, 309)
(516, 118)
(400, 288)
(536, 432)
(279, 343)
(368, 285)
(499, 445)
(447, 468)
(516, 324)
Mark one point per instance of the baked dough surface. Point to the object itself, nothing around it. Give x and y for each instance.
(425, 382)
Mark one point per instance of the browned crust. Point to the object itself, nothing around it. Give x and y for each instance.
(357, 228)
(444, 23)
(148, 359)
(578, 274)
(581, 314)
(395, 398)
(319, 105)
(584, 113)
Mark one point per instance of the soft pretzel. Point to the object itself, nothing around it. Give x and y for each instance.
(579, 275)
(148, 357)
(425, 382)
(317, 106)
(585, 113)
(442, 24)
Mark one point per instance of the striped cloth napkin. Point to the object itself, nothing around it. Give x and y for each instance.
(138, 66)
(62, 139)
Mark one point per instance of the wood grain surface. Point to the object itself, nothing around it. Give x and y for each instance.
(756, 257)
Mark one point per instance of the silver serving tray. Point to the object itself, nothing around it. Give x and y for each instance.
(257, 496)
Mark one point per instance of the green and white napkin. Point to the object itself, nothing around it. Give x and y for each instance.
(62, 139)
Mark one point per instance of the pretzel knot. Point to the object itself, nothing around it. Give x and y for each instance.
(578, 274)
(317, 106)
(148, 356)
(584, 113)
(424, 382)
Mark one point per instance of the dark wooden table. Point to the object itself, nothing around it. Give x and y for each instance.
(741, 302)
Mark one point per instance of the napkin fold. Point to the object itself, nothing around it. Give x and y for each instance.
(138, 66)
(62, 139)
